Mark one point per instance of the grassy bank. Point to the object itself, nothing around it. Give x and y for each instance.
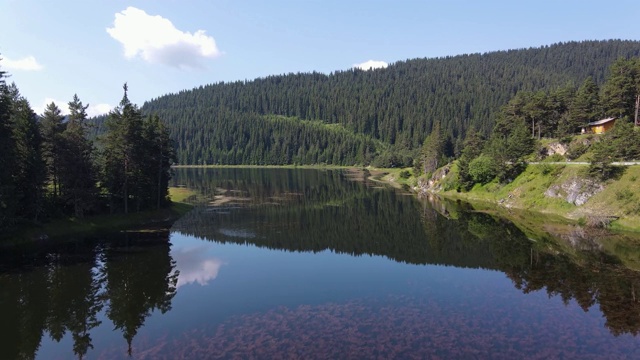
(401, 178)
(618, 200)
(142, 221)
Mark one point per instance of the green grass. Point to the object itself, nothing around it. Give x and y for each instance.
(181, 194)
(401, 178)
(620, 198)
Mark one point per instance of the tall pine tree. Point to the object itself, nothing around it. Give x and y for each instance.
(30, 173)
(52, 126)
(123, 155)
(78, 175)
(7, 158)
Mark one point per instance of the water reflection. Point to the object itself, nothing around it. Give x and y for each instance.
(195, 266)
(113, 297)
(72, 288)
(352, 218)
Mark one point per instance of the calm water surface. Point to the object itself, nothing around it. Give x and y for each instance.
(318, 264)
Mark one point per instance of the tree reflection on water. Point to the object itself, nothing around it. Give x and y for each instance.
(64, 288)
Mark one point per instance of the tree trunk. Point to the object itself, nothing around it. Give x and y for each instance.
(159, 179)
(126, 186)
(637, 122)
(533, 128)
(539, 130)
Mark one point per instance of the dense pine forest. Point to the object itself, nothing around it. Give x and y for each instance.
(50, 169)
(378, 117)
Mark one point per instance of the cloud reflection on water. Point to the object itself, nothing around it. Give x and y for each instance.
(196, 266)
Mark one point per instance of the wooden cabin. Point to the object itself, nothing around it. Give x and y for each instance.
(600, 126)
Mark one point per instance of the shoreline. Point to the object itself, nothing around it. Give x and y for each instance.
(70, 227)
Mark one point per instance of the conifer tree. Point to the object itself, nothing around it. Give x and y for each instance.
(52, 126)
(433, 150)
(620, 92)
(123, 155)
(473, 145)
(79, 175)
(30, 172)
(7, 159)
(586, 106)
(159, 157)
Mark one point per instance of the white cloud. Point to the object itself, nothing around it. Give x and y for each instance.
(156, 40)
(371, 64)
(92, 110)
(98, 109)
(28, 63)
(62, 105)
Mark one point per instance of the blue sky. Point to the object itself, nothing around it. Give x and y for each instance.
(53, 49)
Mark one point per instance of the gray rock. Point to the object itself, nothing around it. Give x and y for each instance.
(575, 191)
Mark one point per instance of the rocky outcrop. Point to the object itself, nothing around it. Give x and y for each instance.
(556, 148)
(434, 184)
(575, 190)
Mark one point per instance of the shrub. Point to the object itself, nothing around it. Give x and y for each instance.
(482, 169)
(404, 174)
(554, 158)
(566, 140)
(554, 170)
(576, 150)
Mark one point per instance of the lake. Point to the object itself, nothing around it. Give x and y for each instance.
(322, 264)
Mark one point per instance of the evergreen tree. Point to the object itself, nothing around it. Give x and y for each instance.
(586, 105)
(536, 111)
(558, 104)
(508, 147)
(433, 150)
(79, 176)
(30, 173)
(473, 145)
(7, 158)
(159, 158)
(52, 126)
(122, 156)
(621, 89)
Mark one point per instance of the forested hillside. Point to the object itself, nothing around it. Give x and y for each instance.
(381, 115)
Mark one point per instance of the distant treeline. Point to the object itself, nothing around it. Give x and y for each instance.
(379, 117)
(49, 168)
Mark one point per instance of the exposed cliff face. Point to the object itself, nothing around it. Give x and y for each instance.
(556, 148)
(435, 183)
(575, 191)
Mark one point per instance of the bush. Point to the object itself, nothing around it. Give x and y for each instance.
(482, 169)
(554, 170)
(566, 140)
(555, 158)
(576, 150)
(404, 174)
